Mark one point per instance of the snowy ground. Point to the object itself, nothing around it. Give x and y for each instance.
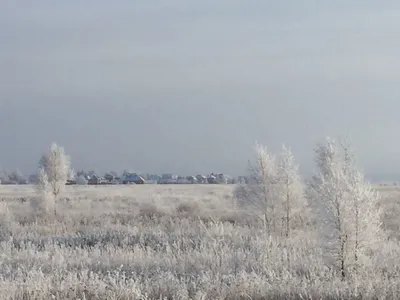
(177, 241)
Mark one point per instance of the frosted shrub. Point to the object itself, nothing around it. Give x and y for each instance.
(6, 222)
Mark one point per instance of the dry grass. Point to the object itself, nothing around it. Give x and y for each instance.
(172, 242)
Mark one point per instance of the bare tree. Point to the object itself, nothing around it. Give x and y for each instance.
(345, 205)
(259, 191)
(54, 168)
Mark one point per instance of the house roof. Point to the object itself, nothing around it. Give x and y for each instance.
(133, 177)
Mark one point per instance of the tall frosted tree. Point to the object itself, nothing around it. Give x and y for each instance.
(259, 192)
(54, 169)
(365, 208)
(290, 189)
(345, 205)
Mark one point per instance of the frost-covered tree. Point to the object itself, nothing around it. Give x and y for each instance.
(345, 205)
(290, 189)
(259, 192)
(328, 198)
(46, 202)
(54, 169)
(366, 212)
(15, 176)
(365, 208)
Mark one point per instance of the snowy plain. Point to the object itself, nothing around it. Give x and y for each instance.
(172, 242)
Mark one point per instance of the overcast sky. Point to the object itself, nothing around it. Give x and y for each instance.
(188, 86)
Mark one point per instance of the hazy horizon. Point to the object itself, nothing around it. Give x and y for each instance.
(189, 87)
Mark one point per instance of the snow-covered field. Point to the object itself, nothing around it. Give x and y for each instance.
(172, 242)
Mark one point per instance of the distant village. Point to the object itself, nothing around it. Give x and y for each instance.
(113, 178)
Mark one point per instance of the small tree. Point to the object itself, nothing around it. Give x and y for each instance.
(260, 188)
(54, 169)
(345, 204)
(365, 208)
(291, 189)
(45, 203)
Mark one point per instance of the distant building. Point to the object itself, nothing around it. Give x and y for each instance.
(109, 177)
(116, 180)
(168, 179)
(201, 179)
(212, 179)
(133, 178)
(153, 179)
(192, 179)
(94, 180)
(221, 178)
(182, 180)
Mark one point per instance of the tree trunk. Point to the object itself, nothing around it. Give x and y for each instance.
(343, 241)
(342, 270)
(287, 217)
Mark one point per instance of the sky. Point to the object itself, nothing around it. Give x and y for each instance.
(188, 86)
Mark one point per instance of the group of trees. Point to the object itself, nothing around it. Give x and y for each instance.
(338, 200)
(273, 191)
(344, 207)
(12, 177)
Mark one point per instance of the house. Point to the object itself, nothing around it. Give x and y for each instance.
(116, 180)
(192, 179)
(201, 179)
(94, 180)
(133, 178)
(212, 179)
(221, 178)
(168, 179)
(182, 180)
(109, 177)
(154, 177)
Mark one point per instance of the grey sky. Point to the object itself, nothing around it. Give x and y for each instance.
(188, 86)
